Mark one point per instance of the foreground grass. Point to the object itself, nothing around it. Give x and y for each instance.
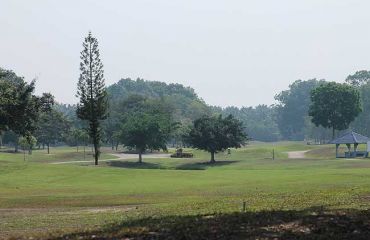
(38, 197)
(305, 224)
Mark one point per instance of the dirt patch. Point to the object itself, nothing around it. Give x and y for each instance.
(297, 154)
(31, 211)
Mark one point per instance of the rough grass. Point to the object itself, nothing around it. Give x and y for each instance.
(152, 200)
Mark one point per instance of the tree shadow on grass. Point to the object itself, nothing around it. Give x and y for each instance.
(203, 165)
(313, 223)
(136, 165)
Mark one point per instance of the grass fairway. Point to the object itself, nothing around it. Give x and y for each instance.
(164, 197)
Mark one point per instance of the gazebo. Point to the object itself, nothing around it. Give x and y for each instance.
(348, 139)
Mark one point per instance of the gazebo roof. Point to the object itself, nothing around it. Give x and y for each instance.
(350, 138)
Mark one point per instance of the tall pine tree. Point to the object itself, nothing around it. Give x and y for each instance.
(92, 91)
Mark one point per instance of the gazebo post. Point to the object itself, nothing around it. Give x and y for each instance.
(355, 149)
(336, 150)
(349, 149)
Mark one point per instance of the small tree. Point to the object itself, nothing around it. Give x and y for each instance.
(147, 128)
(52, 126)
(92, 92)
(214, 134)
(334, 105)
(27, 143)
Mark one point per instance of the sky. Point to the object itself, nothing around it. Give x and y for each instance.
(232, 52)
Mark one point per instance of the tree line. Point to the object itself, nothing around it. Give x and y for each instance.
(150, 115)
(143, 120)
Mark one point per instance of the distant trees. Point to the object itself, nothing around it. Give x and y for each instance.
(358, 78)
(92, 106)
(361, 123)
(215, 133)
(334, 105)
(146, 125)
(52, 127)
(259, 121)
(78, 137)
(292, 108)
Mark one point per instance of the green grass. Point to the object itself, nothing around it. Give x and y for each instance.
(36, 196)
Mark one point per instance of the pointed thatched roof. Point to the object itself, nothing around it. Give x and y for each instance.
(351, 138)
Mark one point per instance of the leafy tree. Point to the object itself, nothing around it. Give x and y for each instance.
(52, 127)
(214, 134)
(77, 137)
(93, 105)
(359, 78)
(145, 128)
(27, 142)
(292, 108)
(334, 105)
(20, 108)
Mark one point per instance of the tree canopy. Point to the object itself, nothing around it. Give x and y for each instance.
(145, 125)
(359, 78)
(20, 108)
(215, 133)
(334, 105)
(292, 108)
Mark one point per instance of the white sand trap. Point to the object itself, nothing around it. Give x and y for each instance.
(297, 154)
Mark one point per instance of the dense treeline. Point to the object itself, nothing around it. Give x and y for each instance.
(288, 119)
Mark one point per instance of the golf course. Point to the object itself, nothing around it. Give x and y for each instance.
(184, 120)
(62, 195)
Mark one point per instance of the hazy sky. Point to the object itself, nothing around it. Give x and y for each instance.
(231, 52)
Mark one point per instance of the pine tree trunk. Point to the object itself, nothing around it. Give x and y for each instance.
(333, 133)
(213, 157)
(48, 145)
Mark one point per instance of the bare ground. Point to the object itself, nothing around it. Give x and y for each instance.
(297, 154)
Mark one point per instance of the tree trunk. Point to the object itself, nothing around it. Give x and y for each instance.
(213, 157)
(117, 145)
(140, 157)
(1, 140)
(96, 152)
(16, 147)
(84, 151)
(112, 145)
(30, 150)
(48, 144)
